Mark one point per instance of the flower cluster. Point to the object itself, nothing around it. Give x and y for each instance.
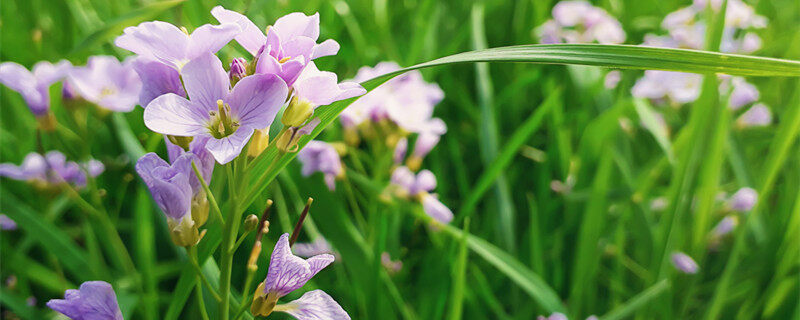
(319, 156)
(577, 21)
(417, 187)
(52, 169)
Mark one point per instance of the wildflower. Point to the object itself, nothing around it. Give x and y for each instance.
(238, 70)
(320, 156)
(676, 87)
(580, 22)
(684, 263)
(287, 273)
(757, 116)
(743, 93)
(725, 226)
(315, 88)
(205, 164)
(391, 265)
(316, 247)
(228, 117)
(51, 169)
(286, 48)
(94, 300)
(172, 46)
(743, 200)
(612, 79)
(170, 188)
(400, 149)
(6, 223)
(409, 185)
(108, 83)
(157, 79)
(424, 144)
(34, 86)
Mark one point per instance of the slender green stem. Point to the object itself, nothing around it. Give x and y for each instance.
(245, 293)
(198, 289)
(210, 195)
(228, 241)
(241, 239)
(192, 251)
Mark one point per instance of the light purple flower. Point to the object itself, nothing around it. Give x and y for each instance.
(436, 209)
(424, 144)
(684, 263)
(400, 150)
(34, 86)
(319, 156)
(417, 187)
(314, 305)
(52, 169)
(171, 46)
(676, 87)
(288, 272)
(391, 265)
(229, 117)
(743, 93)
(202, 158)
(108, 83)
(743, 200)
(322, 88)
(725, 226)
(6, 223)
(612, 79)
(286, 48)
(157, 79)
(168, 184)
(95, 300)
(238, 70)
(578, 21)
(758, 115)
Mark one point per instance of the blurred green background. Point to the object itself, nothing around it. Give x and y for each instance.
(606, 266)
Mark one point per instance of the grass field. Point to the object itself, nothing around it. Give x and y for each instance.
(567, 195)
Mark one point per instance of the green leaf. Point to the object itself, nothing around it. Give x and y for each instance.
(638, 301)
(657, 128)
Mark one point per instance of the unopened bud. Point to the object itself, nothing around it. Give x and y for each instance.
(238, 70)
(200, 208)
(297, 113)
(286, 141)
(250, 222)
(259, 142)
(182, 142)
(184, 233)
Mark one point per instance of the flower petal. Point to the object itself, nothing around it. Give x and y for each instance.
(288, 272)
(19, 79)
(251, 37)
(210, 38)
(256, 99)
(315, 305)
(326, 48)
(157, 79)
(298, 24)
(436, 209)
(206, 81)
(158, 40)
(228, 148)
(174, 115)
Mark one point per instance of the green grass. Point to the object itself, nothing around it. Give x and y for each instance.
(517, 119)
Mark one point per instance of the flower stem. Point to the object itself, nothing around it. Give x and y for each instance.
(210, 195)
(228, 240)
(192, 251)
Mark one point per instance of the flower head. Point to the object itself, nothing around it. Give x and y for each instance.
(318, 156)
(34, 85)
(758, 115)
(684, 263)
(743, 200)
(6, 223)
(157, 79)
(228, 117)
(172, 46)
(417, 187)
(287, 273)
(108, 83)
(51, 169)
(578, 21)
(95, 300)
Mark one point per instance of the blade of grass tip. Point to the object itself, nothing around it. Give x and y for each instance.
(785, 137)
(459, 276)
(52, 238)
(144, 249)
(640, 300)
(488, 137)
(506, 155)
(587, 255)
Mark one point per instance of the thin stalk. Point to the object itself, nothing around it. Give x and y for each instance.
(192, 251)
(209, 195)
(226, 255)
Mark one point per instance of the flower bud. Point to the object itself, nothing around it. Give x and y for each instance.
(200, 208)
(182, 142)
(297, 113)
(238, 70)
(285, 141)
(250, 222)
(259, 142)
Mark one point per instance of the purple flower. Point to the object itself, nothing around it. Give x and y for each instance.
(108, 83)
(400, 150)
(34, 86)
(168, 184)
(6, 223)
(725, 226)
(174, 47)
(743, 93)
(743, 200)
(228, 117)
(157, 79)
(418, 186)
(95, 300)
(580, 22)
(318, 156)
(51, 169)
(287, 47)
(287, 273)
(676, 87)
(202, 158)
(238, 70)
(322, 88)
(684, 263)
(612, 79)
(436, 209)
(758, 115)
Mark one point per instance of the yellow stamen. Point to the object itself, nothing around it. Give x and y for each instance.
(284, 59)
